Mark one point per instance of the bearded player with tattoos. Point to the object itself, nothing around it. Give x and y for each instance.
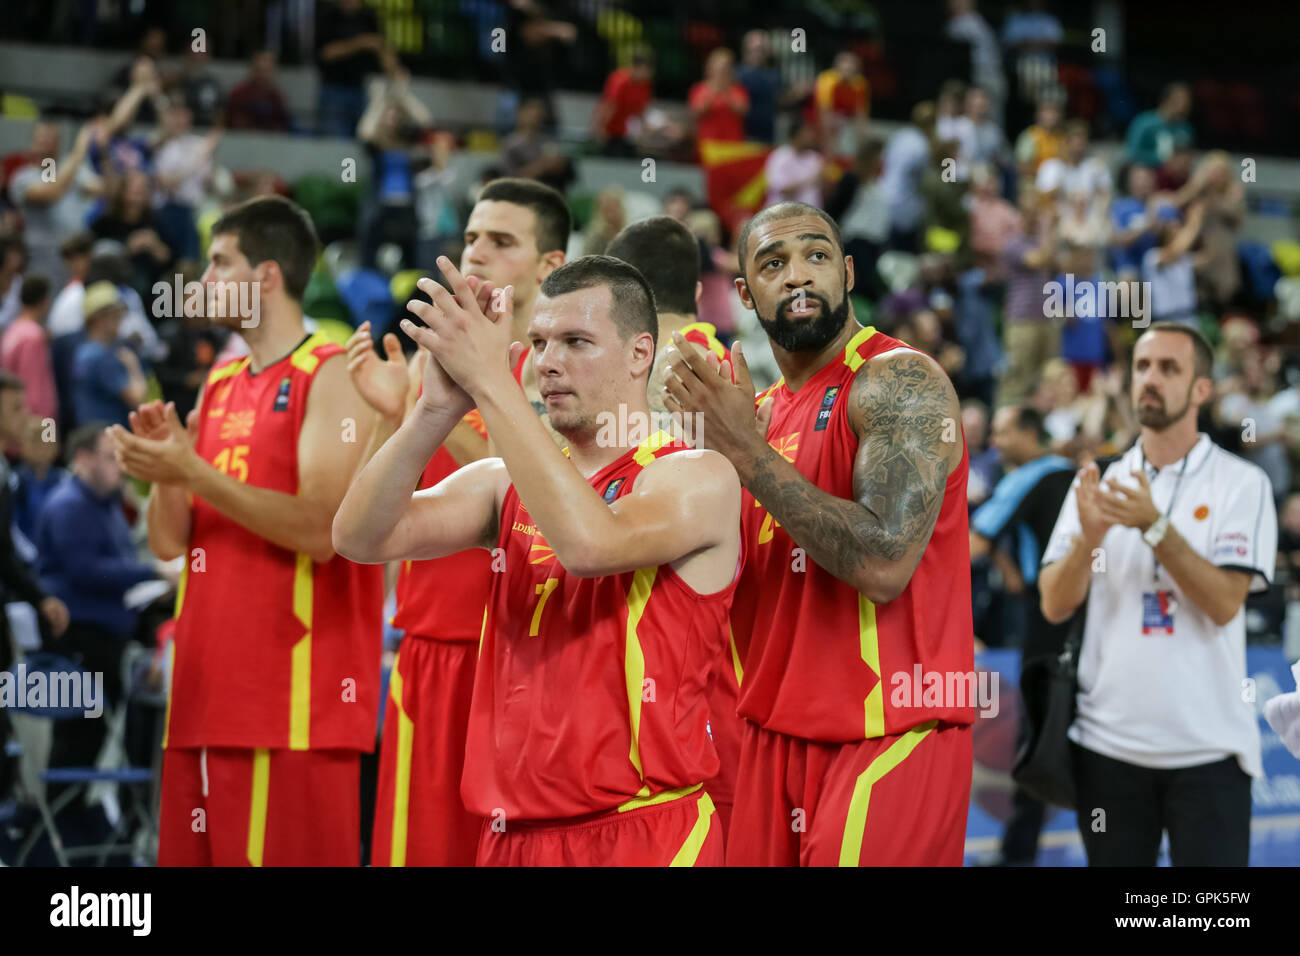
(853, 612)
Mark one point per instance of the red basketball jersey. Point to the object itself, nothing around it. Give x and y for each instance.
(821, 661)
(443, 598)
(273, 650)
(590, 692)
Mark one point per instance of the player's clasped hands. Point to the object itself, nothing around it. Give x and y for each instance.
(467, 330)
(699, 384)
(158, 448)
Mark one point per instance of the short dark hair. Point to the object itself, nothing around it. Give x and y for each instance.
(784, 210)
(667, 255)
(633, 301)
(1030, 419)
(11, 383)
(553, 220)
(273, 228)
(35, 289)
(1204, 365)
(84, 438)
(12, 240)
(77, 244)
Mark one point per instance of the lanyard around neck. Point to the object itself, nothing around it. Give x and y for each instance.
(1155, 572)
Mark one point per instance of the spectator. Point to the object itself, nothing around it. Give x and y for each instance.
(952, 124)
(761, 77)
(841, 100)
(38, 475)
(678, 204)
(1218, 268)
(391, 128)
(965, 24)
(609, 219)
(25, 349)
(199, 89)
(112, 150)
(534, 38)
(1167, 267)
(907, 154)
(1042, 141)
(257, 102)
(13, 258)
(947, 210)
(528, 153)
(65, 313)
(984, 468)
(718, 103)
(1074, 171)
(1084, 218)
(1029, 337)
(1132, 232)
(987, 143)
(16, 582)
(348, 46)
(1185, 540)
(108, 383)
(130, 220)
(436, 202)
(50, 206)
(1085, 344)
(182, 170)
(152, 49)
(191, 346)
(859, 204)
(719, 267)
(88, 560)
(795, 170)
(1154, 135)
(628, 91)
(993, 223)
(1017, 522)
(1031, 37)
(1252, 413)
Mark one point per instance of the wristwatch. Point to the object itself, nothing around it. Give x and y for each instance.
(1156, 533)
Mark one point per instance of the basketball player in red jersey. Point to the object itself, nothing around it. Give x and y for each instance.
(515, 236)
(275, 684)
(854, 597)
(668, 256)
(614, 573)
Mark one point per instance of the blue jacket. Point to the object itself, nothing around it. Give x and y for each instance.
(87, 558)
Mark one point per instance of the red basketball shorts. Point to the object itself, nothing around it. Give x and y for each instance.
(420, 819)
(679, 832)
(227, 806)
(889, 801)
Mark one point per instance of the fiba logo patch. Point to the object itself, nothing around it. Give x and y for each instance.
(282, 396)
(824, 413)
(611, 490)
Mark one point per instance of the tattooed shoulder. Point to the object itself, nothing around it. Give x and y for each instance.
(906, 415)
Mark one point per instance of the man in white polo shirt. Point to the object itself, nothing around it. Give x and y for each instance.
(1164, 548)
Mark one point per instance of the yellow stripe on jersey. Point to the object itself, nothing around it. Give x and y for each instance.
(482, 630)
(226, 371)
(690, 851)
(257, 806)
(855, 827)
(869, 642)
(300, 673)
(636, 803)
(735, 656)
(645, 452)
(851, 357)
(302, 357)
(402, 781)
(634, 659)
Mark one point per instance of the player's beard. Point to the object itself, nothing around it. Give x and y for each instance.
(805, 336)
(1156, 417)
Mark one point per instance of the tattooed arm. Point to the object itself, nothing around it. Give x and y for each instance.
(898, 406)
